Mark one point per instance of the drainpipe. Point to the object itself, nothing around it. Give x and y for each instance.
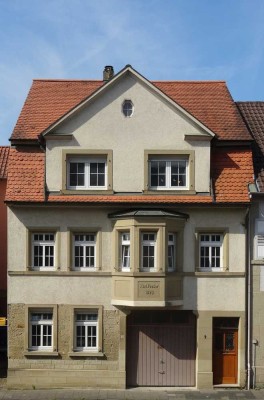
(248, 299)
(255, 343)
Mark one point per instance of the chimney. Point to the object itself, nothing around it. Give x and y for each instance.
(108, 72)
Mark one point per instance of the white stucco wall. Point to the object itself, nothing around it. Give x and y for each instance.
(205, 293)
(154, 125)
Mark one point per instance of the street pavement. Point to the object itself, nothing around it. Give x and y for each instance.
(129, 394)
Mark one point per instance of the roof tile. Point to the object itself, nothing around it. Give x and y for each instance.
(253, 114)
(4, 153)
(232, 170)
(210, 102)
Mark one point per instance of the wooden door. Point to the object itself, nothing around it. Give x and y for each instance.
(225, 358)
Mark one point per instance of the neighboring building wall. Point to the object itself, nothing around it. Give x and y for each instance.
(257, 296)
(3, 249)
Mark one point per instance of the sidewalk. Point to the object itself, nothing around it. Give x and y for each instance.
(130, 394)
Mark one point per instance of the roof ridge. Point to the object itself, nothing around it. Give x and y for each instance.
(152, 81)
(188, 81)
(65, 80)
(249, 102)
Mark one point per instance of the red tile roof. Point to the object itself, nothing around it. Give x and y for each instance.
(232, 171)
(26, 175)
(209, 102)
(4, 152)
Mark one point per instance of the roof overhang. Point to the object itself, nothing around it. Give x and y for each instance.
(148, 213)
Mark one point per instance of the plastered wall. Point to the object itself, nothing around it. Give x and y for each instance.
(154, 125)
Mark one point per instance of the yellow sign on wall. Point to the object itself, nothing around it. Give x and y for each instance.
(2, 321)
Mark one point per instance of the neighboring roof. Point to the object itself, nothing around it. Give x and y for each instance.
(253, 114)
(4, 152)
(232, 172)
(209, 102)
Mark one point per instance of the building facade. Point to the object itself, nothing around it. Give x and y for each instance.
(253, 114)
(127, 205)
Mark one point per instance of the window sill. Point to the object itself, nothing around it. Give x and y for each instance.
(35, 353)
(86, 354)
(87, 191)
(172, 192)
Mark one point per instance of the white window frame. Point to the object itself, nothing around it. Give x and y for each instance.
(43, 243)
(84, 244)
(172, 242)
(168, 161)
(86, 324)
(149, 243)
(125, 245)
(210, 244)
(41, 323)
(259, 239)
(87, 161)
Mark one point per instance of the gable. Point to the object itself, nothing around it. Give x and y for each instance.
(208, 102)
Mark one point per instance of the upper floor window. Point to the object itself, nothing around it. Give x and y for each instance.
(84, 251)
(148, 251)
(211, 251)
(259, 239)
(125, 251)
(168, 174)
(171, 252)
(128, 108)
(43, 250)
(87, 173)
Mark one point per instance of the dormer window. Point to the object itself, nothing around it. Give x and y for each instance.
(128, 108)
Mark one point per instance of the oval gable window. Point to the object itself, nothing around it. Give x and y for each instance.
(128, 108)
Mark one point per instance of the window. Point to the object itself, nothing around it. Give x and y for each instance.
(171, 252)
(259, 239)
(43, 246)
(148, 251)
(168, 174)
(84, 251)
(125, 251)
(86, 330)
(127, 108)
(41, 330)
(87, 173)
(211, 251)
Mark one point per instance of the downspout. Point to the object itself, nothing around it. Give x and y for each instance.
(248, 299)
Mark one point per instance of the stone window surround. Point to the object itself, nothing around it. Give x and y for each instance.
(136, 228)
(66, 153)
(41, 308)
(57, 239)
(225, 262)
(71, 231)
(81, 308)
(190, 154)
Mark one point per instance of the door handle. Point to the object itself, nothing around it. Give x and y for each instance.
(162, 373)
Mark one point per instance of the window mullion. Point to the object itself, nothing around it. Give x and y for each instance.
(87, 175)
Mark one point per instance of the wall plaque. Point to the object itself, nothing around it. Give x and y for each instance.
(149, 289)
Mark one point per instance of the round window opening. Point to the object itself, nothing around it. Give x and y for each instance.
(128, 108)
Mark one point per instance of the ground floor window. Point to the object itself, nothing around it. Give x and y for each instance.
(41, 330)
(86, 330)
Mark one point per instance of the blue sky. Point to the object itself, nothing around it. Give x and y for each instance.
(162, 39)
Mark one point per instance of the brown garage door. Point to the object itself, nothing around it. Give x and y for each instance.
(161, 348)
